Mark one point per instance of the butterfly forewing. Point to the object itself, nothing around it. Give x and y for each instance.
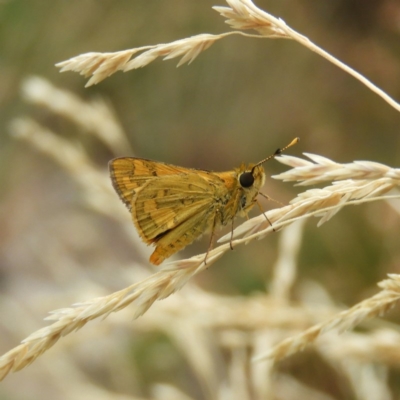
(163, 204)
(128, 174)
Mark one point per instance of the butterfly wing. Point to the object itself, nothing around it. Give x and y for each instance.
(176, 239)
(128, 174)
(172, 212)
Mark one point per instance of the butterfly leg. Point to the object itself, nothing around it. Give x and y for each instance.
(265, 215)
(212, 237)
(230, 242)
(270, 198)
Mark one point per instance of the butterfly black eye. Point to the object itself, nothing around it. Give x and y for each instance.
(246, 179)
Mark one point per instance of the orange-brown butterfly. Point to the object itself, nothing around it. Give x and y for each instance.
(172, 206)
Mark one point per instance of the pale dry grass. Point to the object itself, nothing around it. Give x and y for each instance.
(353, 183)
(96, 117)
(241, 14)
(374, 306)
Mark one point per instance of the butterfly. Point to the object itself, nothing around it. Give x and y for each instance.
(172, 206)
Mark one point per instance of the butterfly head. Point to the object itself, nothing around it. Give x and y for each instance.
(252, 177)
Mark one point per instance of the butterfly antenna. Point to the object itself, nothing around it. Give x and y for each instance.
(277, 152)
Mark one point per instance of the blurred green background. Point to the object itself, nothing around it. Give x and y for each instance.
(238, 101)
